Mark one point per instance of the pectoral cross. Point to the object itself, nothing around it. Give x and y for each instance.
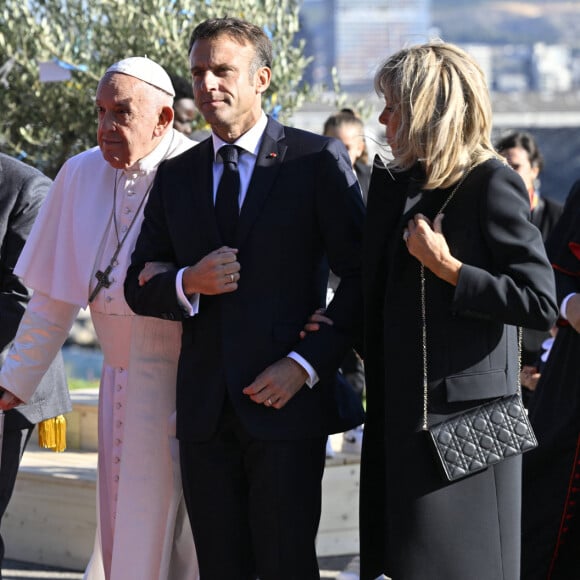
(103, 281)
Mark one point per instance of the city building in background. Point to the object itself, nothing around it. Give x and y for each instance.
(355, 36)
(529, 51)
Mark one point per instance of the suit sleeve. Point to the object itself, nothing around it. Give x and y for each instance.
(26, 199)
(515, 283)
(158, 297)
(341, 214)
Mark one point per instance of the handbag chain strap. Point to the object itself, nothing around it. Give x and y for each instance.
(424, 321)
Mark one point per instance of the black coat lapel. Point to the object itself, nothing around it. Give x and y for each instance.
(384, 211)
(270, 157)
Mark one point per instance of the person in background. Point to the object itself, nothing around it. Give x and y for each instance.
(77, 254)
(551, 472)
(270, 210)
(486, 272)
(350, 129)
(184, 109)
(523, 155)
(22, 191)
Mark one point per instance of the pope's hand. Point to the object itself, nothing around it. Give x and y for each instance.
(151, 269)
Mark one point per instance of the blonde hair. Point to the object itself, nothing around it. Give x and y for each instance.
(439, 94)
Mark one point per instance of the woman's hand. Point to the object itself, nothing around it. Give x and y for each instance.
(314, 321)
(426, 242)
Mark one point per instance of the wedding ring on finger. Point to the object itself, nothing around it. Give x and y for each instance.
(232, 278)
(269, 402)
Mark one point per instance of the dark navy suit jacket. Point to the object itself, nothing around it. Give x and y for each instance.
(303, 212)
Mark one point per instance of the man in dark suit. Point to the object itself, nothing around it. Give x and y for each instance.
(254, 403)
(22, 190)
(524, 156)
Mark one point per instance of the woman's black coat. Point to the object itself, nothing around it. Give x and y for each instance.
(415, 525)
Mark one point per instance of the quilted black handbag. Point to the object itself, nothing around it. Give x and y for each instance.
(484, 435)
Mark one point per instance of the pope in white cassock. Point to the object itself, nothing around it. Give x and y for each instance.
(77, 254)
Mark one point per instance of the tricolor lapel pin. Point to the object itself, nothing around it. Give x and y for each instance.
(271, 155)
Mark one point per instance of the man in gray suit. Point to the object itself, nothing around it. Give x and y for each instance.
(22, 190)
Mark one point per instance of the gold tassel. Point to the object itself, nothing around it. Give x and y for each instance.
(52, 433)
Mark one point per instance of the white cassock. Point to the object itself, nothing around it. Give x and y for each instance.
(143, 530)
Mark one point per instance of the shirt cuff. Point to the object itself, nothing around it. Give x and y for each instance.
(190, 306)
(564, 304)
(312, 374)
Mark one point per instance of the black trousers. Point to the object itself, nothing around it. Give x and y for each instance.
(254, 506)
(17, 432)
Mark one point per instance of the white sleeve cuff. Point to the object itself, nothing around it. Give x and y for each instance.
(564, 305)
(312, 374)
(191, 307)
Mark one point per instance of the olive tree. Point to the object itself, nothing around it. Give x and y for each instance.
(47, 122)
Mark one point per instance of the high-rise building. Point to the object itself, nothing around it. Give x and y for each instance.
(356, 35)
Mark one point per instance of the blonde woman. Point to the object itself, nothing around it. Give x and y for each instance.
(486, 273)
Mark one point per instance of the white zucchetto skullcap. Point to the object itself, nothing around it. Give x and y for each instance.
(146, 70)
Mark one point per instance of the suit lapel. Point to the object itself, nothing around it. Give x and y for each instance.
(270, 157)
(201, 194)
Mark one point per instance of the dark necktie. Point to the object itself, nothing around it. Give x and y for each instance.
(226, 201)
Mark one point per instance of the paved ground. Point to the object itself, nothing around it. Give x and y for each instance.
(329, 568)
